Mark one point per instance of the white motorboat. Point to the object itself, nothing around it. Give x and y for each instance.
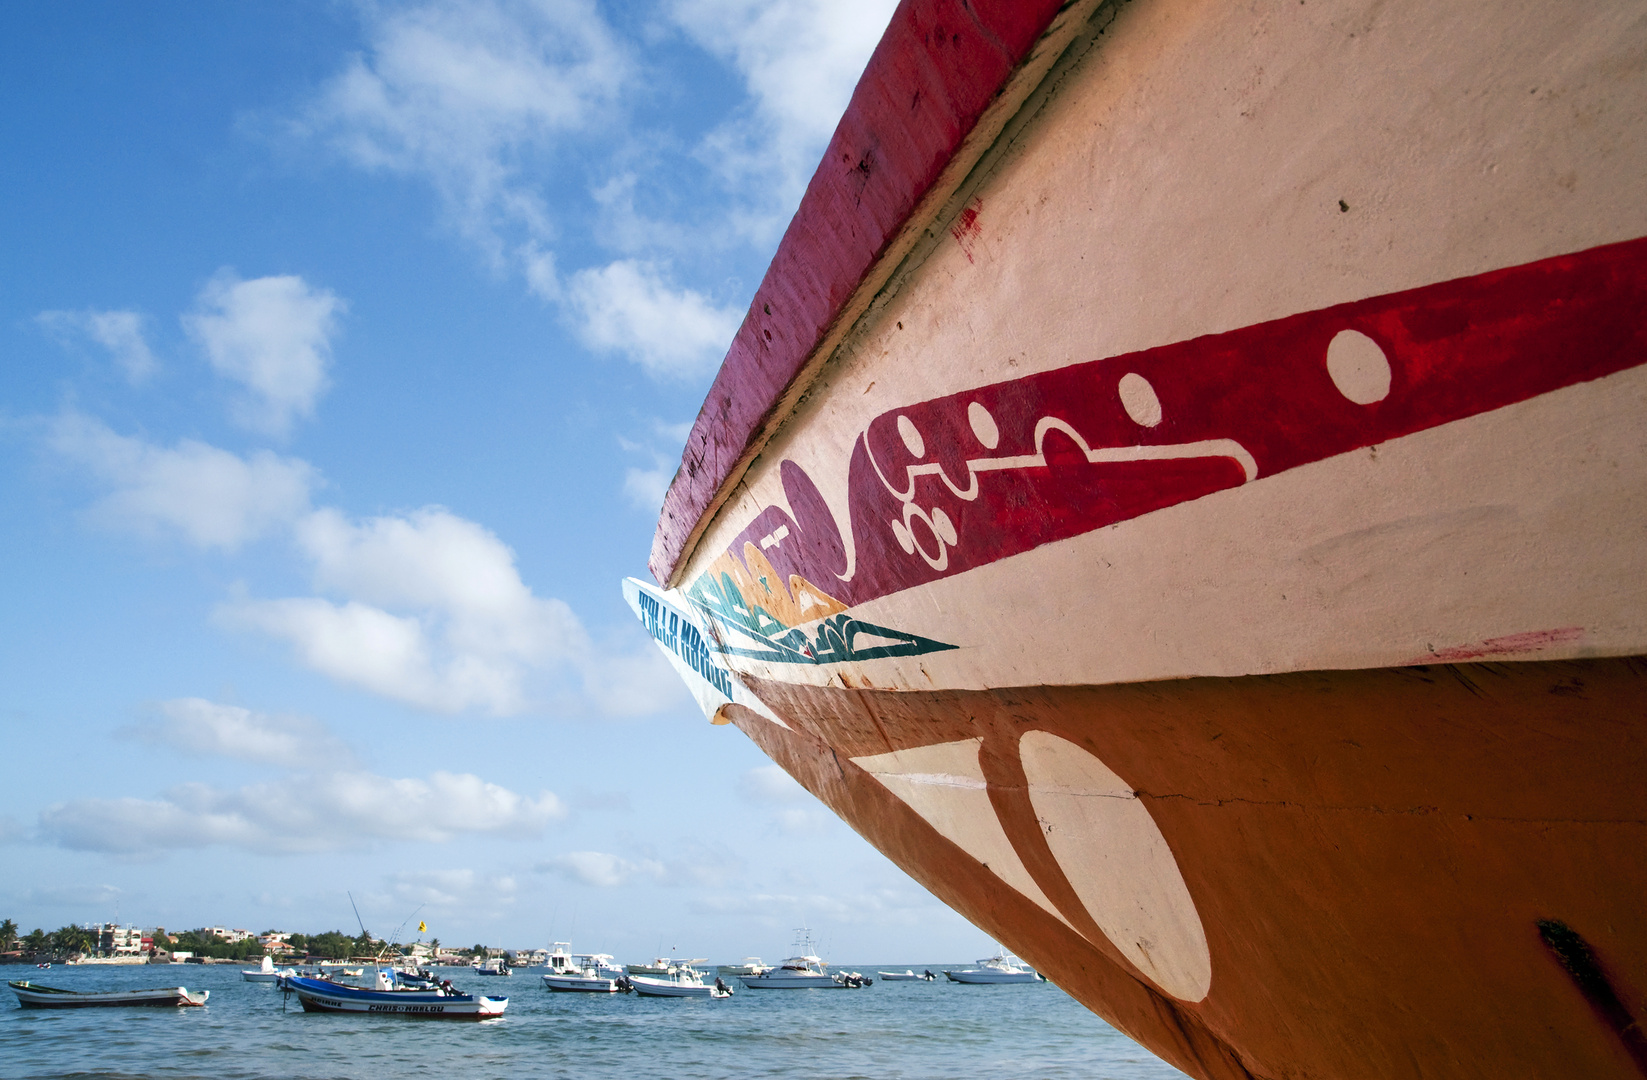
(907, 975)
(804, 971)
(30, 996)
(586, 972)
(751, 966)
(1000, 968)
(266, 972)
(683, 981)
(494, 966)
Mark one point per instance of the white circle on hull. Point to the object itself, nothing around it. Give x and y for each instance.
(1139, 400)
(1118, 863)
(911, 437)
(1358, 367)
(983, 426)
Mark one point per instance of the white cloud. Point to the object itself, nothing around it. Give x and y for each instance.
(645, 488)
(791, 808)
(303, 812)
(601, 869)
(273, 335)
(451, 889)
(903, 903)
(799, 60)
(433, 612)
(770, 784)
(207, 729)
(465, 93)
(699, 866)
(629, 307)
(98, 897)
(122, 333)
(211, 497)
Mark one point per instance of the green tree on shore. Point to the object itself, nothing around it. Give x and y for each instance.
(8, 935)
(35, 943)
(71, 939)
(207, 944)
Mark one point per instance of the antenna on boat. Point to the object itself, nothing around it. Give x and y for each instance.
(394, 937)
(358, 919)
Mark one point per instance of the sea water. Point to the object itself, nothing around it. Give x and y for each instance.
(890, 1031)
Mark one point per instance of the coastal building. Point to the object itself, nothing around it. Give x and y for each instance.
(274, 942)
(112, 939)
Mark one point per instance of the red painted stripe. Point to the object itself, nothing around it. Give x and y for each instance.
(934, 73)
(939, 487)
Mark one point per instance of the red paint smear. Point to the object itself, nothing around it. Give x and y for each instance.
(1531, 641)
(1455, 349)
(937, 68)
(966, 229)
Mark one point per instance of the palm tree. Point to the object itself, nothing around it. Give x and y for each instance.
(8, 934)
(70, 939)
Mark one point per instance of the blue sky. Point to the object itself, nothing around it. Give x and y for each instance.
(347, 349)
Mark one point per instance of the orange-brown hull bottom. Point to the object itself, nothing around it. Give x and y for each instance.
(1430, 871)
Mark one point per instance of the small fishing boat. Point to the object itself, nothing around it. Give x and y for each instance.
(587, 972)
(495, 966)
(907, 975)
(30, 996)
(411, 977)
(683, 980)
(266, 972)
(439, 1003)
(1000, 968)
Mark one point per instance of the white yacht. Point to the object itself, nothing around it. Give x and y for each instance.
(683, 980)
(1000, 968)
(595, 973)
(804, 971)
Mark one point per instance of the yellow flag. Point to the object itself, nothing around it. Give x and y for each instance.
(421, 927)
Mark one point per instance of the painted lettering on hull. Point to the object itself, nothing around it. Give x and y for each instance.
(943, 486)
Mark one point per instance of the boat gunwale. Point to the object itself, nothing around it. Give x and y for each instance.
(919, 120)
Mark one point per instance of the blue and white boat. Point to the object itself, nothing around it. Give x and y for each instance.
(441, 1003)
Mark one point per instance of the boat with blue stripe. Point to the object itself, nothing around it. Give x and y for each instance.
(442, 1002)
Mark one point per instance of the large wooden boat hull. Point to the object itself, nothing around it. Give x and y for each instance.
(1181, 493)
